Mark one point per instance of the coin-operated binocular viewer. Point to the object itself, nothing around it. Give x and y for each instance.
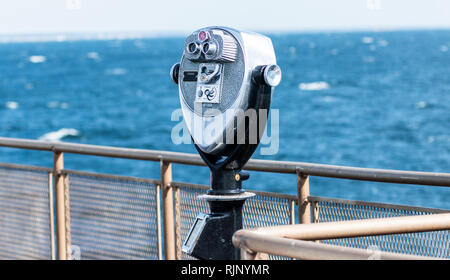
(225, 79)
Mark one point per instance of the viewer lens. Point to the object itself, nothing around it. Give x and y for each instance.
(205, 47)
(192, 48)
(209, 48)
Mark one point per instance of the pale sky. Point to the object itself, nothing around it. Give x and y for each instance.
(176, 16)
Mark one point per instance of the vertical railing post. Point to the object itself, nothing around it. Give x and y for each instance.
(177, 224)
(292, 212)
(158, 219)
(67, 217)
(168, 221)
(51, 216)
(315, 210)
(304, 211)
(315, 214)
(58, 165)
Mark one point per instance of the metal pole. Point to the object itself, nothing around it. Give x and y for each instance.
(304, 211)
(291, 240)
(300, 249)
(169, 232)
(67, 217)
(177, 224)
(323, 170)
(315, 210)
(357, 228)
(51, 215)
(58, 165)
(292, 212)
(315, 214)
(158, 219)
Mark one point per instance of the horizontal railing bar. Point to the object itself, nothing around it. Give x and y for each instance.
(358, 228)
(307, 250)
(289, 240)
(377, 205)
(26, 167)
(110, 176)
(106, 151)
(352, 173)
(321, 170)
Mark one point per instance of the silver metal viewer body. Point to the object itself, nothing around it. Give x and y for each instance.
(224, 74)
(215, 75)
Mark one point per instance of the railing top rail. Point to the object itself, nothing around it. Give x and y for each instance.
(253, 242)
(322, 170)
(25, 167)
(377, 205)
(109, 176)
(358, 228)
(280, 240)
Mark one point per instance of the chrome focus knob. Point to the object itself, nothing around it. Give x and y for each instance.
(272, 75)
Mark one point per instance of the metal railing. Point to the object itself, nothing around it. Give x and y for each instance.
(290, 240)
(93, 210)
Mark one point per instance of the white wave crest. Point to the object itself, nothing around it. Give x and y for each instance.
(93, 55)
(12, 105)
(314, 86)
(383, 43)
(58, 135)
(421, 105)
(367, 40)
(37, 58)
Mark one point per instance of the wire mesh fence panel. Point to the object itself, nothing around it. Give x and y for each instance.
(264, 209)
(189, 207)
(429, 244)
(25, 217)
(113, 217)
(267, 209)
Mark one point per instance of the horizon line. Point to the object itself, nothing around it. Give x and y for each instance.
(130, 34)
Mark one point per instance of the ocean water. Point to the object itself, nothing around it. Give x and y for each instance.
(365, 99)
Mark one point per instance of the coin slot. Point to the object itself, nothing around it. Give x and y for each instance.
(190, 76)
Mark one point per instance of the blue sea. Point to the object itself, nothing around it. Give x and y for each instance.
(365, 99)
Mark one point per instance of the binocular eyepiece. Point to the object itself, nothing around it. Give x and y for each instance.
(207, 48)
(211, 44)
